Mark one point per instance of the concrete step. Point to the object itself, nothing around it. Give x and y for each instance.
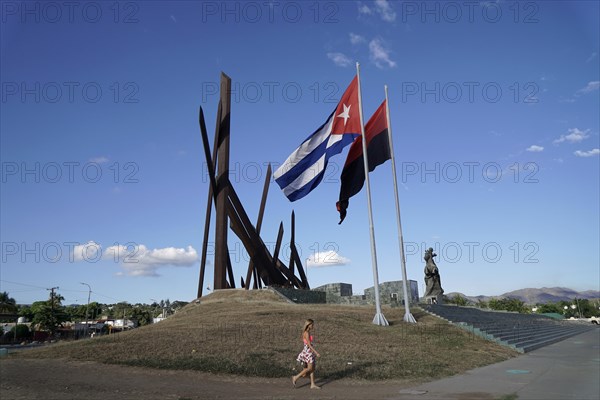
(536, 344)
(542, 336)
(540, 330)
(522, 332)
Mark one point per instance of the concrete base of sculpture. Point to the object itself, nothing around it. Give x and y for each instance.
(380, 320)
(439, 299)
(408, 317)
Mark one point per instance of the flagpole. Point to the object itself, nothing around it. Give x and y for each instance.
(408, 317)
(379, 319)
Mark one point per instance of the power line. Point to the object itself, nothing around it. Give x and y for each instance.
(73, 290)
(24, 290)
(62, 290)
(23, 284)
(108, 297)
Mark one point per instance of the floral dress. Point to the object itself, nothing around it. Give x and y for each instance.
(306, 355)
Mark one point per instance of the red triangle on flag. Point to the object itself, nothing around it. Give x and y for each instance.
(346, 116)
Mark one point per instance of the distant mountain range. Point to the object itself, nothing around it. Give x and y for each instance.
(533, 296)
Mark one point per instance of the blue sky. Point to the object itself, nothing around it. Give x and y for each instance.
(494, 110)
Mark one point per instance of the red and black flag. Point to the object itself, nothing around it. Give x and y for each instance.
(378, 151)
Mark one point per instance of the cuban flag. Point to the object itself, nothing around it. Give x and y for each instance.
(304, 168)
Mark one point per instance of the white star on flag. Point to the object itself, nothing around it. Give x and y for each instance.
(345, 114)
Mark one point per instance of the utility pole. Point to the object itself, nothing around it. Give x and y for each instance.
(87, 307)
(52, 296)
(124, 311)
(52, 306)
(578, 308)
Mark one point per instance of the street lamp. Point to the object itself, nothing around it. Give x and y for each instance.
(87, 307)
(574, 307)
(578, 308)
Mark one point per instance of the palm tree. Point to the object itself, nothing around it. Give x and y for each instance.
(8, 305)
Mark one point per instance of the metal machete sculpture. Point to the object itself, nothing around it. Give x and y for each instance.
(264, 267)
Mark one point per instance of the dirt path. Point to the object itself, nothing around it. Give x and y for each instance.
(58, 379)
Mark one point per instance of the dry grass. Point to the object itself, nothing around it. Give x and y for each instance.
(256, 333)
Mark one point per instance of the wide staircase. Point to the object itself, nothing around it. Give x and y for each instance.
(522, 332)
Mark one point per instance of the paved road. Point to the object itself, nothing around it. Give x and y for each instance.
(569, 369)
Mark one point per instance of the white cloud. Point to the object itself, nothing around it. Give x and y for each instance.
(380, 55)
(173, 18)
(535, 149)
(385, 10)
(340, 59)
(118, 252)
(381, 7)
(137, 260)
(592, 57)
(90, 251)
(574, 136)
(327, 259)
(142, 261)
(563, 100)
(99, 160)
(590, 153)
(168, 256)
(364, 9)
(357, 39)
(590, 87)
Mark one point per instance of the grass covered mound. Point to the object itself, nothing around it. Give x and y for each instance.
(256, 333)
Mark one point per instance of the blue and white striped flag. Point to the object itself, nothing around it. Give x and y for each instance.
(304, 168)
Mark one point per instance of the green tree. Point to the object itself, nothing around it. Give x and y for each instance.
(22, 331)
(459, 300)
(589, 309)
(142, 315)
(549, 308)
(569, 308)
(49, 314)
(77, 313)
(8, 305)
(27, 312)
(177, 305)
(508, 304)
(121, 310)
(585, 307)
(95, 311)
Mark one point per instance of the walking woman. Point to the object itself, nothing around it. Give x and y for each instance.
(308, 355)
